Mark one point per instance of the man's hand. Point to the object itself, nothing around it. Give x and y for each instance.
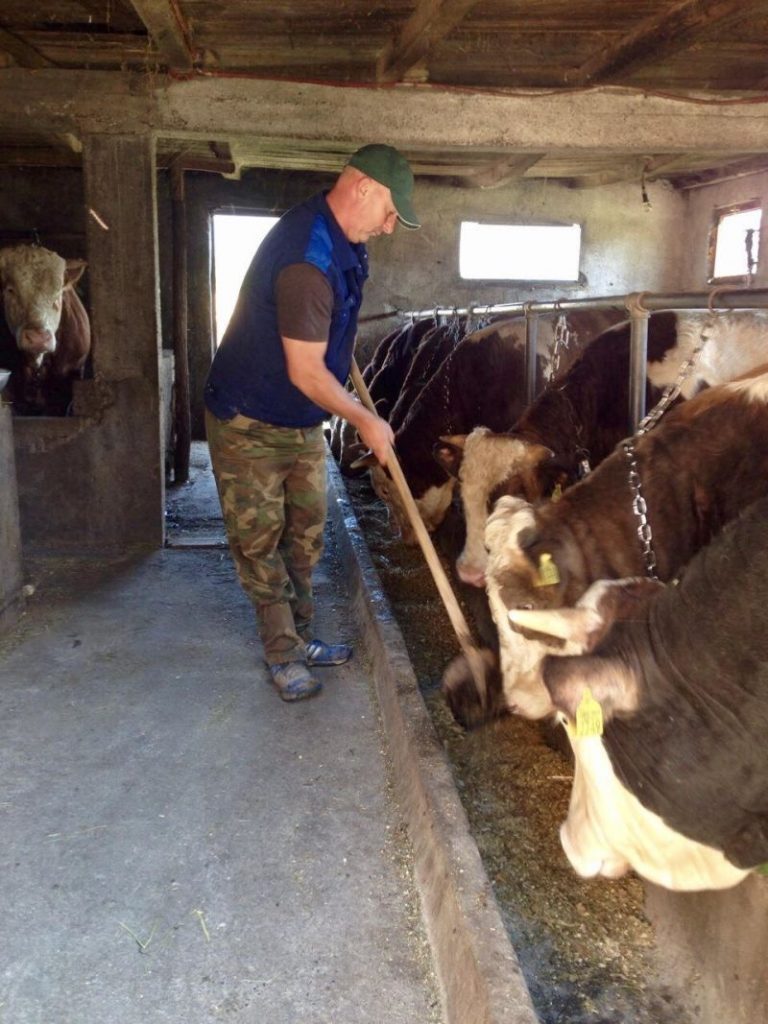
(375, 433)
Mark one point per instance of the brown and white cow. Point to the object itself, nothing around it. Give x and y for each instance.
(664, 694)
(481, 383)
(579, 420)
(383, 375)
(704, 463)
(49, 339)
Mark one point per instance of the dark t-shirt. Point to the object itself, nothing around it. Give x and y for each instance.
(304, 303)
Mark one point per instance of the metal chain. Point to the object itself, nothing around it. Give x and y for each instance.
(563, 338)
(640, 508)
(671, 391)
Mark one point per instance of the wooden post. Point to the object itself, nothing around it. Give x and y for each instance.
(182, 415)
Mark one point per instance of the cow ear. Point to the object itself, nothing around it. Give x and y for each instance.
(448, 454)
(73, 272)
(383, 408)
(580, 628)
(610, 681)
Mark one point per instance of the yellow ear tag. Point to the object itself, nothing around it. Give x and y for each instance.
(547, 574)
(589, 716)
(557, 493)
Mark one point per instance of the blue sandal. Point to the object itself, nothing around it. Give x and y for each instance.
(293, 680)
(320, 654)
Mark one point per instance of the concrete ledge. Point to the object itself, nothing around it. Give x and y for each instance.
(474, 960)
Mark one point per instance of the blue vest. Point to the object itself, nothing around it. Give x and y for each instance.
(249, 374)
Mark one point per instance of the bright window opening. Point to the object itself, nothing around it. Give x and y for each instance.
(519, 252)
(736, 241)
(236, 237)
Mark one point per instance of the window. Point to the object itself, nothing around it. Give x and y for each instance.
(519, 252)
(236, 237)
(734, 241)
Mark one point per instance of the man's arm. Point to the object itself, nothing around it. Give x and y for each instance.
(307, 371)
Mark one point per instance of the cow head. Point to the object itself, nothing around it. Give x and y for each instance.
(528, 565)
(33, 280)
(573, 634)
(488, 466)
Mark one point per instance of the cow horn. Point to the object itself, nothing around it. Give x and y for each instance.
(575, 625)
(365, 461)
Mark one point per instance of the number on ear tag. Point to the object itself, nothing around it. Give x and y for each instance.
(589, 716)
(547, 574)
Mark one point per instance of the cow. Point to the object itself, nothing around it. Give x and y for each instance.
(577, 421)
(649, 507)
(664, 694)
(384, 376)
(48, 339)
(481, 383)
(436, 346)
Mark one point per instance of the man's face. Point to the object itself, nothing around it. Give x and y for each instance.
(377, 213)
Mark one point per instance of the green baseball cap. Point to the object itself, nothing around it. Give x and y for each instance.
(389, 167)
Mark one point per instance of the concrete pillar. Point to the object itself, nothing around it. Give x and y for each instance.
(11, 600)
(120, 196)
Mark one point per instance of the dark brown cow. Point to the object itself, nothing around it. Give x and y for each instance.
(705, 462)
(384, 376)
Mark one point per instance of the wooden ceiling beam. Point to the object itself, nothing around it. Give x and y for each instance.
(430, 22)
(660, 35)
(726, 172)
(38, 156)
(166, 27)
(26, 56)
(501, 171)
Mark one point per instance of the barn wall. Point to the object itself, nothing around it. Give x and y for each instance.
(45, 205)
(625, 247)
(701, 204)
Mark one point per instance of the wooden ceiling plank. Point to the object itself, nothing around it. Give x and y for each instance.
(167, 29)
(501, 171)
(430, 22)
(26, 56)
(661, 34)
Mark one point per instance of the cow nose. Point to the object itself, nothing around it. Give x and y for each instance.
(37, 340)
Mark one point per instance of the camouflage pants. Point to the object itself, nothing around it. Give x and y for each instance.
(271, 483)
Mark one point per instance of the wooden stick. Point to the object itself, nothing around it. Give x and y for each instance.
(455, 614)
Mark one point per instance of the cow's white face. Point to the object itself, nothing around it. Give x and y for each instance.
(608, 831)
(521, 657)
(33, 281)
(432, 505)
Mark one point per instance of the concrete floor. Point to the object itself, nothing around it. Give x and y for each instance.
(176, 843)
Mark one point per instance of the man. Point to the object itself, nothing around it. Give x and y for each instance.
(278, 373)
